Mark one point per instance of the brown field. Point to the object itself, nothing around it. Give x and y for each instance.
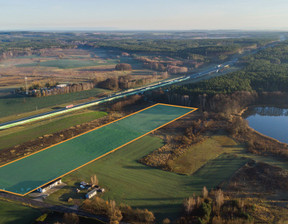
(39, 68)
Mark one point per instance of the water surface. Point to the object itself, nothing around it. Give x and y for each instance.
(270, 121)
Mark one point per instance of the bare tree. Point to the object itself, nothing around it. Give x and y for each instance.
(71, 218)
(204, 192)
(219, 199)
(94, 180)
(114, 213)
(189, 205)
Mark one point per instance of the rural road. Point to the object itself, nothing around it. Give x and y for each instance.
(50, 207)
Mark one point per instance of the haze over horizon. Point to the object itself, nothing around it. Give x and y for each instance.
(144, 15)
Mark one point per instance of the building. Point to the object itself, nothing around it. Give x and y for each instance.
(61, 85)
(102, 190)
(49, 186)
(91, 194)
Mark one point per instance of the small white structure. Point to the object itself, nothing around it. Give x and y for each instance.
(49, 186)
(61, 85)
(91, 194)
(102, 190)
(83, 183)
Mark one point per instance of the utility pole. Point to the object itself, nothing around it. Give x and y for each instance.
(26, 85)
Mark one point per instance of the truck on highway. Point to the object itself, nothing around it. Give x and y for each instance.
(69, 106)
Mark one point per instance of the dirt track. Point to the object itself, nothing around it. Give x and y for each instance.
(49, 207)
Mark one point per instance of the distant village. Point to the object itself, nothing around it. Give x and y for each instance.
(48, 90)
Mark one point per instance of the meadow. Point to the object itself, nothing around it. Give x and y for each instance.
(24, 175)
(29, 132)
(130, 182)
(14, 213)
(14, 105)
(198, 155)
(70, 63)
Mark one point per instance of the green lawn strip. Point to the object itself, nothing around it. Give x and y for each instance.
(198, 155)
(130, 182)
(273, 161)
(17, 105)
(14, 213)
(40, 168)
(48, 128)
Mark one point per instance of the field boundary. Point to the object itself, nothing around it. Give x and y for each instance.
(193, 109)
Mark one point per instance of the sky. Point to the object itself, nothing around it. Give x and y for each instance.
(143, 15)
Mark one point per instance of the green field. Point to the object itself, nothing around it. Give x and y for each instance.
(13, 213)
(135, 184)
(33, 131)
(70, 63)
(33, 171)
(198, 155)
(10, 105)
(214, 146)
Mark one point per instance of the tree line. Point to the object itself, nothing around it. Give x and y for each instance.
(265, 71)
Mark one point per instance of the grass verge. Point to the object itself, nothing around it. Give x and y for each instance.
(15, 105)
(14, 213)
(47, 127)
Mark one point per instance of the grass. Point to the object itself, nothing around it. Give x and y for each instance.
(14, 213)
(198, 155)
(47, 127)
(130, 182)
(33, 171)
(69, 63)
(14, 105)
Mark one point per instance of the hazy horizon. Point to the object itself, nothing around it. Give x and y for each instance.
(149, 15)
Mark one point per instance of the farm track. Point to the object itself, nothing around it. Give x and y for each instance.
(50, 207)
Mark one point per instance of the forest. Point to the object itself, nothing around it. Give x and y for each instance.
(265, 71)
(186, 49)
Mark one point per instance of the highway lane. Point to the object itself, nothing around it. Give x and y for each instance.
(111, 97)
(125, 93)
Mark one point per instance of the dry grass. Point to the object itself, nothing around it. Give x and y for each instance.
(199, 154)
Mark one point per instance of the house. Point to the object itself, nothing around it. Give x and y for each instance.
(49, 186)
(91, 194)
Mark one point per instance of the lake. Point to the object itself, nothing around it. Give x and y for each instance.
(270, 121)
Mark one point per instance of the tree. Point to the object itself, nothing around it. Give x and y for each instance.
(189, 205)
(204, 193)
(70, 218)
(166, 221)
(123, 67)
(94, 180)
(219, 199)
(114, 212)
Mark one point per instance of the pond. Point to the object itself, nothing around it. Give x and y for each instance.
(270, 121)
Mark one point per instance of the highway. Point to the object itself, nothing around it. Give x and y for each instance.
(114, 96)
(125, 93)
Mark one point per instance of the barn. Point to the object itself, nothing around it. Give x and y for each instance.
(49, 186)
(91, 194)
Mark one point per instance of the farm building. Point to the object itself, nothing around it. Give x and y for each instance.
(91, 194)
(102, 190)
(61, 85)
(49, 186)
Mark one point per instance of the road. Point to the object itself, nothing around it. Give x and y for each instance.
(46, 206)
(129, 92)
